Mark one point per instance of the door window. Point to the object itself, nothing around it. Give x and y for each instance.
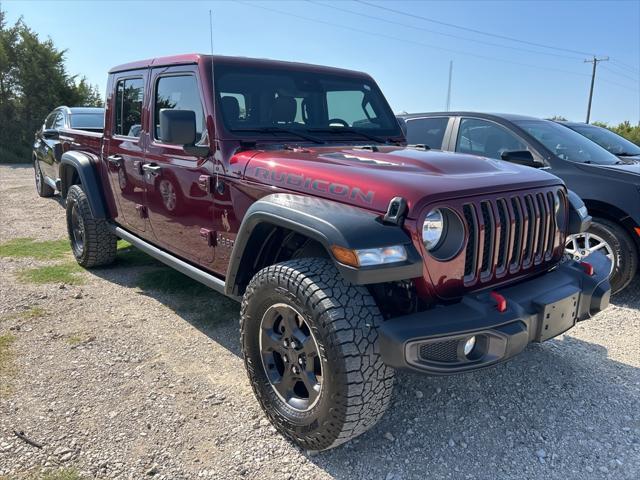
(179, 92)
(427, 131)
(128, 117)
(488, 139)
(48, 123)
(59, 123)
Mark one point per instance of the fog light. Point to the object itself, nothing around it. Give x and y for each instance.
(468, 345)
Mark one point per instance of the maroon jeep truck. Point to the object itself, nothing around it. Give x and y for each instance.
(290, 188)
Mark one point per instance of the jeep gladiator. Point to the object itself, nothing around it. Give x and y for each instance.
(290, 188)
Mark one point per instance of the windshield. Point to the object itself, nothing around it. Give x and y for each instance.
(566, 143)
(290, 102)
(607, 139)
(87, 120)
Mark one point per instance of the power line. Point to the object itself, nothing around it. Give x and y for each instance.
(423, 44)
(595, 62)
(480, 32)
(451, 35)
(635, 79)
(627, 66)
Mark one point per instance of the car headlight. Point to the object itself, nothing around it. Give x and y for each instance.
(432, 229)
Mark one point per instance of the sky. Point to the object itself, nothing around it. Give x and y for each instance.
(407, 51)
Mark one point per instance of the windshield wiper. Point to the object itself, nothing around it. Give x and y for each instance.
(311, 138)
(375, 138)
(628, 154)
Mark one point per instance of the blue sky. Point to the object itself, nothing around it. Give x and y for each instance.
(407, 55)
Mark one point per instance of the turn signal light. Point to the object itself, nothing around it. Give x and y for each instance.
(345, 255)
(588, 268)
(501, 302)
(637, 229)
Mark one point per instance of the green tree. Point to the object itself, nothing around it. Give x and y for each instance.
(624, 129)
(33, 81)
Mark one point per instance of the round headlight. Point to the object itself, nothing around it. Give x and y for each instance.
(432, 229)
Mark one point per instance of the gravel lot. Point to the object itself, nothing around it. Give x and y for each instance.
(119, 380)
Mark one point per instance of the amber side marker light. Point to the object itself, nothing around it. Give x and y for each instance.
(345, 255)
(637, 229)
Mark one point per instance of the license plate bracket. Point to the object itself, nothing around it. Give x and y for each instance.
(557, 315)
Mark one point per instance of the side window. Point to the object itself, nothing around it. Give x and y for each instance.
(488, 139)
(50, 120)
(428, 131)
(128, 109)
(59, 123)
(179, 93)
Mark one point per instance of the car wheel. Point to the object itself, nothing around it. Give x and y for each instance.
(309, 340)
(613, 241)
(43, 189)
(92, 242)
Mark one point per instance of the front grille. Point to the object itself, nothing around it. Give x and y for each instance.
(446, 351)
(509, 234)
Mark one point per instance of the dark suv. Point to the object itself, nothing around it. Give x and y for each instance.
(609, 186)
(611, 141)
(56, 137)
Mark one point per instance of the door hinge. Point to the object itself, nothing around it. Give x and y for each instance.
(204, 182)
(209, 236)
(142, 211)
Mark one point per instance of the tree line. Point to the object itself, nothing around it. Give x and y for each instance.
(33, 81)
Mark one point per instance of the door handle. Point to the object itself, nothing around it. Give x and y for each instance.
(114, 159)
(152, 169)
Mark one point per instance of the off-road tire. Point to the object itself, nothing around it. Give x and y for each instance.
(625, 252)
(98, 242)
(344, 320)
(43, 189)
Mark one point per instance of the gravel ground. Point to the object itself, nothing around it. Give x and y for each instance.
(120, 381)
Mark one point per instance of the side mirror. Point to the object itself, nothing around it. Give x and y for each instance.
(521, 157)
(178, 127)
(51, 133)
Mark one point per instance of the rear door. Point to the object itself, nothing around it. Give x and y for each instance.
(430, 131)
(123, 147)
(179, 197)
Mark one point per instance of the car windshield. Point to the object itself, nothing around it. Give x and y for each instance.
(302, 105)
(87, 120)
(566, 143)
(613, 142)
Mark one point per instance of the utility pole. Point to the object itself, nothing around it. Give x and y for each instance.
(449, 89)
(595, 61)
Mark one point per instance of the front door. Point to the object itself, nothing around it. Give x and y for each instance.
(123, 149)
(179, 185)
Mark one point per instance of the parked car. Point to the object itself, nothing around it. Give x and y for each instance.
(352, 254)
(56, 137)
(610, 141)
(610, 187)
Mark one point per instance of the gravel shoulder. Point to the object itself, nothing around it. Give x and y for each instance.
(116, 379)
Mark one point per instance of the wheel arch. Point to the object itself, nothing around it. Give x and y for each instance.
(279, 227)
(78, 168)
(598, 209)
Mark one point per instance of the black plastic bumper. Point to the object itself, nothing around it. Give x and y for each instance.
(537, 310)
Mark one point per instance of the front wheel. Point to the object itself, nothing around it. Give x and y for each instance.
(92, 242)
(611, 240)
(310, 344)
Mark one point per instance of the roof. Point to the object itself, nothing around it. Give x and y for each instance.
(575, 124)
(505, 116)
(194, 58)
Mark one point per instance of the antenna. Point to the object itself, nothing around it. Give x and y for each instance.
(219, 186)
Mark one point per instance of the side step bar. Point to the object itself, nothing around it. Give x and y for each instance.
(174, 262)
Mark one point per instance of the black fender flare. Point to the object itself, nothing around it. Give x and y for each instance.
(329, 223)
(84, 165)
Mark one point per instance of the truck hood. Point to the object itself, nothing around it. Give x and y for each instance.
(626, 171)
(371, 177)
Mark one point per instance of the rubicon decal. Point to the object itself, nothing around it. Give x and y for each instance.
(315, 185)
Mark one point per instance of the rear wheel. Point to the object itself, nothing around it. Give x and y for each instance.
(43, 189)
(92, 242)
(310, 347)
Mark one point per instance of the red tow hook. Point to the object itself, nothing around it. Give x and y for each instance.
(501, 302)
(588, 268)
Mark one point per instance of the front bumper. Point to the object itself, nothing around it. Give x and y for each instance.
(537, 310)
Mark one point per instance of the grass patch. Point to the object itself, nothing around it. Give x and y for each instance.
(63, 273)
(74, 340)
(42, 250)
(168, 280)
(130, 256)
(63, 474)
(29, 314)
(6, 362)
